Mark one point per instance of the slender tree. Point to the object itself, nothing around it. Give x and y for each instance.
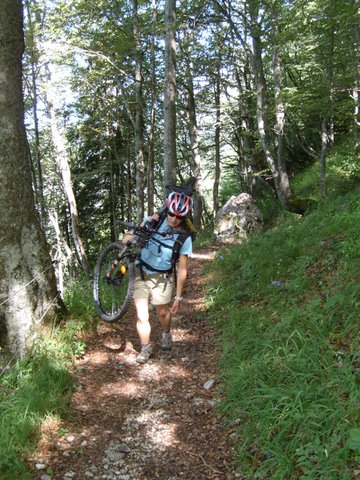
(62, 161)
(217, 169)
(139, 120)
(192, 121)
(33, 54)
(170, 94)
(152, 118)
(279, 127)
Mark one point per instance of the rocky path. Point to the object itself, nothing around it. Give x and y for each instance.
(145, 422)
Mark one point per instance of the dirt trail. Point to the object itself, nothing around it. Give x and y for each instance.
(145, 422)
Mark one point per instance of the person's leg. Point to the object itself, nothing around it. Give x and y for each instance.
(165, 320)
(142, 324)
(164, 315)
(143, 329)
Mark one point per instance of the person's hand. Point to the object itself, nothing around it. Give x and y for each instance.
(175, 307)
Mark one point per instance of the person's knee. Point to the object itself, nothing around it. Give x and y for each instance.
(143, 317)
(163, 312)
(142, 310)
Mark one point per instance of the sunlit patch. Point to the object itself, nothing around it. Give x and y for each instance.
(112, 344)
(203, 256)
(179, 372)
(186, 335)
(129, 389)
(195, 301)
(150, 371)
(161, 434)
(98, 358)
(50, 426)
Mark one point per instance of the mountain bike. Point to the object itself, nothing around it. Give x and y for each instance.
(114, 274)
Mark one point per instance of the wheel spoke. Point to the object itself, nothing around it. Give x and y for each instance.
(114, 275)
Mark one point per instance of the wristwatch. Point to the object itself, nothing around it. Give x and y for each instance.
(178, 298)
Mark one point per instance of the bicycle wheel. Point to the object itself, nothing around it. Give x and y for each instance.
(114, 279)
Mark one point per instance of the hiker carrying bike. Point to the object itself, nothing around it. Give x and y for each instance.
(155, 272)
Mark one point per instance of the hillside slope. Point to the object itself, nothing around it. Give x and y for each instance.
(287, 307)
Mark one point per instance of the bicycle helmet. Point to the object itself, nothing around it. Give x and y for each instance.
(179, 204)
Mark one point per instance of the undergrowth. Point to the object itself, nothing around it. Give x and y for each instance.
(286, 305)
(36, 391)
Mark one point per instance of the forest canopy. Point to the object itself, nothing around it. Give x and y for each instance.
(122, 97)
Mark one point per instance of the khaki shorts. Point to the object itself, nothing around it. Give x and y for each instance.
(157, 288)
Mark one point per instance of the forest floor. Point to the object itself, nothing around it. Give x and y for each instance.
(145, 422)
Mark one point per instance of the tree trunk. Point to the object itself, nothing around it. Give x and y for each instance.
(356, 88)
(151, 155)
(170, 94)
(112, 201)
(192, 125)
(324, 147)
(27, 280)
(39, 190)
(260, 86)
(245, 129)
(139, 121)
(327, 129)
(64, 256)
(217, 144)
(63, 165)
(284, 183)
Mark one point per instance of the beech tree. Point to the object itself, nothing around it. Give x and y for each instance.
(27, 280)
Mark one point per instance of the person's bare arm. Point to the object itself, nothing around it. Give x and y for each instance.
(180, 282)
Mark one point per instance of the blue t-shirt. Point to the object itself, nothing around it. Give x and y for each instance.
(158, 256)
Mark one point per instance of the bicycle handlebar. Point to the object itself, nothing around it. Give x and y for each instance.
(126, 224)
(138, 229)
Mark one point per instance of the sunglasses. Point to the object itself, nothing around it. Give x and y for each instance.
(173, 215)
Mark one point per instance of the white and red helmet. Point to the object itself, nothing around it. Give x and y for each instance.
(179, 204)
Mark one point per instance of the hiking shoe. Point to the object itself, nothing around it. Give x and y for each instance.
(166, 341)
(145, 354)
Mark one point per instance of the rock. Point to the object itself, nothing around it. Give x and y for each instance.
(115, 456)
(237, 219)
(40, 466)
(70, 438)
(45, 477)
(122, 447)
(69, 475)
(209, 384)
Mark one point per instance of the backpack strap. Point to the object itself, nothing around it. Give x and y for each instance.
(179, 242)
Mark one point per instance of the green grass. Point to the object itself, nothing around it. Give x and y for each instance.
(37, 389)
(31, 392)
(287, 308)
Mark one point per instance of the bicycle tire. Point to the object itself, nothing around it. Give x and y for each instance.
(113, 283)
